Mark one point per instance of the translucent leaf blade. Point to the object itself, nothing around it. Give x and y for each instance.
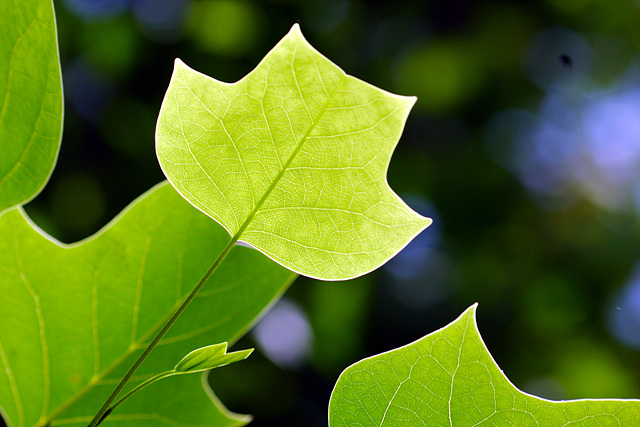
(292, 159)
(30, 99)
(75, 317)
(449, 378)
(182, 400)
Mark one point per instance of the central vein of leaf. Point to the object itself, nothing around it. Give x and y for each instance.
(293, 155)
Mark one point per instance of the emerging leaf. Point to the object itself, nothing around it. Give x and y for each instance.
(448, 378)
(210, 357)
(30, 99)
(200, 360)
(292, 159)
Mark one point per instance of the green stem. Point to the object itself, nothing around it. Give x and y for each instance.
(135, 390)
(105, 407)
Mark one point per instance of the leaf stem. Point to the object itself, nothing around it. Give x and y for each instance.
(99, 417)
(135, 390)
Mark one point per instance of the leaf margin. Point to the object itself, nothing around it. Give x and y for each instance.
(294, 33)
(470, 315)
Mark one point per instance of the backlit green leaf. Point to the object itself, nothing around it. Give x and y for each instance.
(448, 378)
(210, 357)
(291, 159)
(74, 317)
(30, 99)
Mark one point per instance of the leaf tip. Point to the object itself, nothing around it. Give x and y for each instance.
(295, 29)
(471, 311)
(296, 33)
(425, 221)
(179, 63)
(246, 353)
(470, 314)
(411, 100)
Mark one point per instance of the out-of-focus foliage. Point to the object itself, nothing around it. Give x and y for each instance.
(528, 166)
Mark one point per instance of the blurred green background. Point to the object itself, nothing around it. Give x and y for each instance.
(524, 146)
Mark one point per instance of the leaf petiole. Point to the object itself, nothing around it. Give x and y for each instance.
(135, 390)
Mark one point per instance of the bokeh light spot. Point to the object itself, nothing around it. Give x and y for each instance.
(584, 140)
(87, 89)
(96, 9)
(418, 275)
(112, 46)
(587, 370)
(162, 19)
(442, 75)
(624, 313)
(284, 335)
(224, 27)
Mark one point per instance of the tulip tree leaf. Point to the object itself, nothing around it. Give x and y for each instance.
(292, 159)
(73, 318)
(449, 378)
(210, 357)
(30, 99)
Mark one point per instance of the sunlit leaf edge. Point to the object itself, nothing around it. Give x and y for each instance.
(296, 33)
(469, 315)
